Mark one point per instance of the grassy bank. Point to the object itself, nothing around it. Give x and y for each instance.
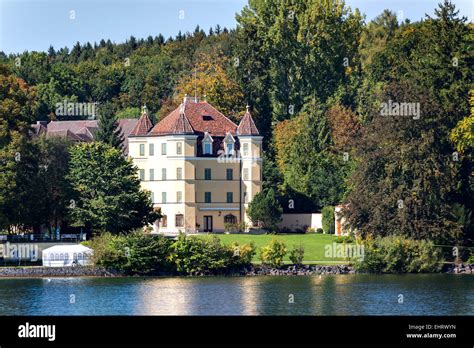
(314, 245)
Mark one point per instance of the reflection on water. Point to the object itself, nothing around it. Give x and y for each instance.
(439, 294)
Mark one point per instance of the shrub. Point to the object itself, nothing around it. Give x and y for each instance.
(192, 255)
(310, 230)
(242, 254)
(235, 228)
(142, 253)
(319, 230)
(297, 254)
(273, 253)
(265, 210)
(344, 239)
(138, 252)
(397, 254)
(328, 219)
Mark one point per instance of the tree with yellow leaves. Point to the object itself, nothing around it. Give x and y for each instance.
(210, 80)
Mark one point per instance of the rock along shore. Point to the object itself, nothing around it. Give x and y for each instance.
(253, 270)
(40, 271)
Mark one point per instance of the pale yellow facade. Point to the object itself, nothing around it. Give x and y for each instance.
(197, 194)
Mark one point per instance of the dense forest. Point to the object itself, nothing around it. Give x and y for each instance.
(315, 74)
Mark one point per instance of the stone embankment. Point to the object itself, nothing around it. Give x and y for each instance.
(39, 271)
(461, 269)
(254, 270)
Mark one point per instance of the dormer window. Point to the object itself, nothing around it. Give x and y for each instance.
(229, 143)
(207, 144)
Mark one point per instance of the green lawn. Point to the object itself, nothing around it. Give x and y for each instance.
(314, 244)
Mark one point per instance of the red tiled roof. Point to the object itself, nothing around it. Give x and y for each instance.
(143, 126)
(182, 125)
(198, 117)
(247, 125)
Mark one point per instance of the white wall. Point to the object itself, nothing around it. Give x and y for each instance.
(295, 221)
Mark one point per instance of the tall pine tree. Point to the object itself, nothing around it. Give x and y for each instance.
(109, 131)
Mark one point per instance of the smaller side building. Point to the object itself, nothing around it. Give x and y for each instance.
(298, 222)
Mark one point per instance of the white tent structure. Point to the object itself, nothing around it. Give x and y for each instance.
(67, 255)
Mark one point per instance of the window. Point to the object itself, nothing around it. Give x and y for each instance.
(179, 220)
(152, 174)
(142, 149)
(229, 174)
(163, 148)
(245, 149)
(151, 149)
(164, 221)
(207, 197)
(230, 219)
(179, 148)
(74, 256)
(179, 196)
(142, 174)
(152, 197)
(229, 149)
(61, 257)
(207, 174)
(163, 173)
(230, 197)
(246, 173)
(163, 197)
(207, 144)
(179, 173)
(207, 148)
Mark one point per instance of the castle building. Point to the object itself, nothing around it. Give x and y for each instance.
(201, 168)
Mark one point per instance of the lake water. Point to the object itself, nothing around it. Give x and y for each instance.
(432, 294)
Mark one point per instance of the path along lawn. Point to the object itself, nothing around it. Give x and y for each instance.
(314, 245)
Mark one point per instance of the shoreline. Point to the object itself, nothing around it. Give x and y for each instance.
(249, 271)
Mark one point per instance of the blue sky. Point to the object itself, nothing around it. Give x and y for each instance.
(34, 25)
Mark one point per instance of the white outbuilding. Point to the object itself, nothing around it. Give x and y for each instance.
(67, 255)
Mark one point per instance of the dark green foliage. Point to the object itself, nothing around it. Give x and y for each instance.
(328, 219)
(109, 132)
(397, 254)
(192, 255)
(55, 192)
(107, 193)
(136, 253)
(297, 254)
(265, 210)
(143, 253)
